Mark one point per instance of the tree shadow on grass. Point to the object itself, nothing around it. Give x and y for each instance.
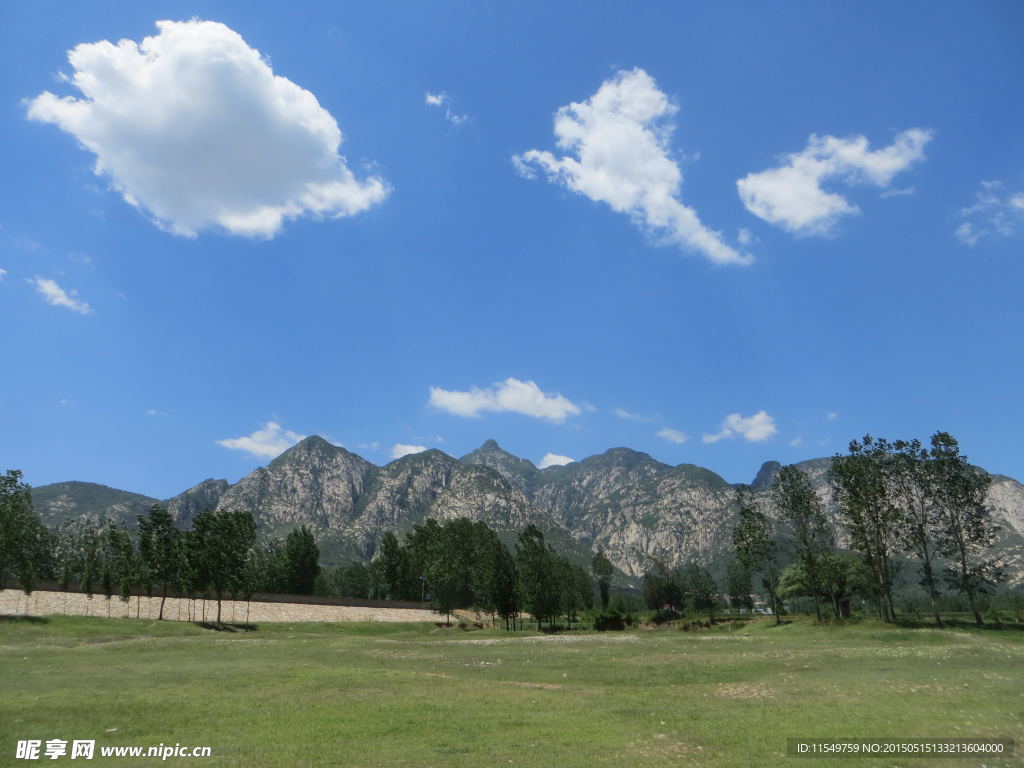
(226, 627)
(990, 625)
(24, 619)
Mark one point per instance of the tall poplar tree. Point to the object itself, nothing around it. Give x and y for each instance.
(865, 502)
(756, 547)
(800, 508)
(965, 526)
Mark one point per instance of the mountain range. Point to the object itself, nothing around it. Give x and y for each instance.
(623, 502)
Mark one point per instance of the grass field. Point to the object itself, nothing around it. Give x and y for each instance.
(418, 695)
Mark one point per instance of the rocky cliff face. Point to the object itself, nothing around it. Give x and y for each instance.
(313, 482)
(622, 501)
(185, 506)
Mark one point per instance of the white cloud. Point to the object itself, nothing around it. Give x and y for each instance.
(3, 273)
(618, 145)
(268, 442)
(754, 428)
(56, 296)
(398, 450)
(791, 196)
(155, 412)
(554, 460)
(796, 442)
(905, 192)
(193, 127)
(511, 396)
(444, 100)
(831, 416)
(994, 214)
(624, 414)
(672, 435)
(66, 401)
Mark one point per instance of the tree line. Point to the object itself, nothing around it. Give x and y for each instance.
(219, 557)
(460, 564)
(452, 565)
(897, 501)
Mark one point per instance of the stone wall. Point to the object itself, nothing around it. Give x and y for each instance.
(43, 603)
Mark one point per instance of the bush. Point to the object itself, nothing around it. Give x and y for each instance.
(662, 616)
(612, 620)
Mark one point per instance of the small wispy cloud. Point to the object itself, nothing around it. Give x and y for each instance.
(3, 274)
(444, 101)
(56, 296)
(904, 192)
(995, 214)
(672, 435)
(629, 416)
(796, 442)
(268, 442)
(753, 429)
(831, 416)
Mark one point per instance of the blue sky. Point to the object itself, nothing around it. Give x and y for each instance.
(756, 232)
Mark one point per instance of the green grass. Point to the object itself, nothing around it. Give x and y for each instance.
(416, 695)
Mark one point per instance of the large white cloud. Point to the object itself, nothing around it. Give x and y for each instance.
(791, 195)
(618, 153)
(268, 442)
(56, 296)
(754, 428)
(193, 126)
(510, 395)
(554, 460)
(995, 214)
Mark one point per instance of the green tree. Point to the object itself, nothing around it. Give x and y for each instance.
(394, 567)
(603, 571)
(911, 486)
(964, 523)
(24, 541)
(754, 542)
(841, 576)
(352, 580)
(739, 585)
(302, 561)
(661, 587)
(864, 498)
(800, 508)
(699, 590)
(161, 552)
(538, 577)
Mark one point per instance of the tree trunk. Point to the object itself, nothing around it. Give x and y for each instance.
(163, 600)
(218, 608)
(929, 579)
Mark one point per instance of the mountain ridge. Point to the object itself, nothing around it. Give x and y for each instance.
(621, 501)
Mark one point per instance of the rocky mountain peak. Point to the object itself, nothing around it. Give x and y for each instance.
(766, 475)
(522, 474)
